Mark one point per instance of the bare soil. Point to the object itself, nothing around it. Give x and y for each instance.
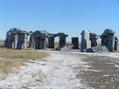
(102, 73)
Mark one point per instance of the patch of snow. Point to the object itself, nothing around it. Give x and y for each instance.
(108, 54)
(56, 72)
(117, 66)
(106, 75)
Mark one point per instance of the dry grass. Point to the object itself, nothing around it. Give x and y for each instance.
(22, 54)
(13, 59)
(1, 44)
(7, 66)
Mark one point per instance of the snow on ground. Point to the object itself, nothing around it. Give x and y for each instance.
(109, 54)
(53, 72)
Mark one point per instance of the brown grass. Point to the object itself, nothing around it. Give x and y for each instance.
(1, 44)
(13, 59)
(23, 54)
(7, 66)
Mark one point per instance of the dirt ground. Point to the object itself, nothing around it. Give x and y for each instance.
(102, 73)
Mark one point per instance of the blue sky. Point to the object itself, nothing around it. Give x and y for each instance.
(69, 16)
